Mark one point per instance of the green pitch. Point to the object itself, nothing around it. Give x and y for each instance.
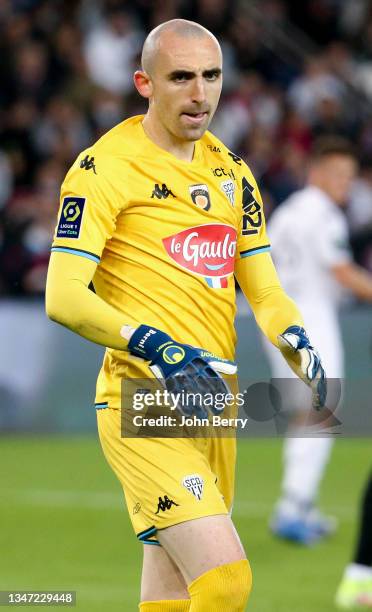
(63, 525)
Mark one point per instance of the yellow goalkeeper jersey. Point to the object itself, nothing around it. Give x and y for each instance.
(165, 234)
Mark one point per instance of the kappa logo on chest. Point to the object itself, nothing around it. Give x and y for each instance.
(161, 192)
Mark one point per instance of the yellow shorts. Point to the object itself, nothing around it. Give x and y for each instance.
(167, 481)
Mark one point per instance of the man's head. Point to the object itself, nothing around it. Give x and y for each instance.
(333, 167)
(182, 78)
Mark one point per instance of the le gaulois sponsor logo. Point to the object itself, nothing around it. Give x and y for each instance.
(208, 250)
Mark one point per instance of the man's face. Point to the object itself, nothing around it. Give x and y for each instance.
(187, 82)
(337, 173)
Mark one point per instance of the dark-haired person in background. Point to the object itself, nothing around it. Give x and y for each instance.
(310, 243)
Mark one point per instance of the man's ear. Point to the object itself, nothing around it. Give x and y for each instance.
(143, 83)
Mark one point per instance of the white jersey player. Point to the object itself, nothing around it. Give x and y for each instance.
(309, 237)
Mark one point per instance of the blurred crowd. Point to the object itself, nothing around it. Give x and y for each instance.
(293, 71)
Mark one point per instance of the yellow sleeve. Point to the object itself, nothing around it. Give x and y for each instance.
(70, 302)
(89, 207)
(273, 309)
(87, 217)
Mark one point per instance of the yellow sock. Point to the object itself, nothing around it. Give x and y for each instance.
(223, 589)
(175, 605)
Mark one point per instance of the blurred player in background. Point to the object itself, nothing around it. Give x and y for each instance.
(160, 215)
(355, 589)
(310, 245)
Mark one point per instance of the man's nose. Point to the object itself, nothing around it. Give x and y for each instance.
(198, 90)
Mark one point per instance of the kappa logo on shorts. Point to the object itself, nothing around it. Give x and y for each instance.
(165, 504)
(194, 484)
(71, 215)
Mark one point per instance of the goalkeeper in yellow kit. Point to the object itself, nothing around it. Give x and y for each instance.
(159, 215)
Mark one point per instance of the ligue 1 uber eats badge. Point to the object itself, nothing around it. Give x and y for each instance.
(200, 196)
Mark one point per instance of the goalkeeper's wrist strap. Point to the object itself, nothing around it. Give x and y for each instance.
(146, 342)
(296, 337)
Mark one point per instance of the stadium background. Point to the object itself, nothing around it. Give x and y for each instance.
(293, 70)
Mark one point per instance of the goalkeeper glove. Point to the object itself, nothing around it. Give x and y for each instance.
(304, 360)
(181, 367)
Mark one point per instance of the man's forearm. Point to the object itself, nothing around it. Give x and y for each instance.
(356, 279)
(275, 312)
(71, 303)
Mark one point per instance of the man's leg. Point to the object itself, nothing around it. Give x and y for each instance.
(214, 572)
(305, 460)
(363, 552)
(173, 492)
(212, 561)
(163, 587)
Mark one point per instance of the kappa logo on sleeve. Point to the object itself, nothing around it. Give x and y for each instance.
(71, 215)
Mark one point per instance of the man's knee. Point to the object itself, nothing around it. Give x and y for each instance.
(226, 587)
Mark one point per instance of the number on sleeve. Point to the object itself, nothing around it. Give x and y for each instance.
(252, 215)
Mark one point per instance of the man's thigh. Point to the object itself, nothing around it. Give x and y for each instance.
(161, 578)
(188, 550)
(200, 545)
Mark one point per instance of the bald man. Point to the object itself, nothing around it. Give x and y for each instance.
(158, 215)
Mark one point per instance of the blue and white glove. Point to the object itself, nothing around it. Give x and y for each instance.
(304, 360)
(181, 367)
